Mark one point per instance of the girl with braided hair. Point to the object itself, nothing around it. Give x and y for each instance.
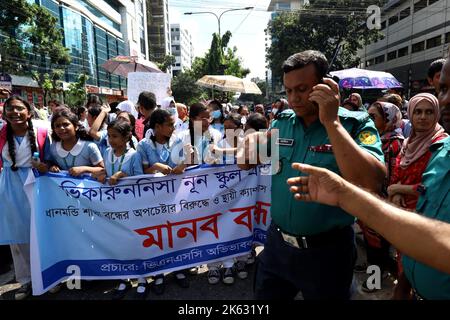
(121, 159)
(16, 158)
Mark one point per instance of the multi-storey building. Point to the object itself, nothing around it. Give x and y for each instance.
(158, 27)
(182, 48)
(417, 32)
(95, 31)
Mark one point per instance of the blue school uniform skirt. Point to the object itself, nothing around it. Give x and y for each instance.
(15, 211)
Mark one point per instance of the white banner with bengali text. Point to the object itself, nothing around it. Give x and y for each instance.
(146, 225)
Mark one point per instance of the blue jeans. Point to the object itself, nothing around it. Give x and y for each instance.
(321, 273)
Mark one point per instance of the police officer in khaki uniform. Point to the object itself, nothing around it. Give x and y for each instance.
(310, 247)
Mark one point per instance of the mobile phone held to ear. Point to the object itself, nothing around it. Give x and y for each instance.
(335, 79)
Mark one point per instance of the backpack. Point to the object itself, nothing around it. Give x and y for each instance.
(41, 137)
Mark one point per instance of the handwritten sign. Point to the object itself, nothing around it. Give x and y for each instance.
(158, 83)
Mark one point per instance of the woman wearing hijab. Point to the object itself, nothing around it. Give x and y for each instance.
(129, 107)
(356, 99)
(406, 177)
(423, 111)
(169, 104)
(388, 119)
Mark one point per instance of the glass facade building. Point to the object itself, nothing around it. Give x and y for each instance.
(100, 15)
(112, 52)
(101, 46)
(121, 52)
(53, 7)
(89, 44)
(158, 29)
(79, 39)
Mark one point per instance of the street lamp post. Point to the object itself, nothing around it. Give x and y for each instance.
(220, 16)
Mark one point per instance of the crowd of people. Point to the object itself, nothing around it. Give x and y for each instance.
(310, 246)
(109, 143)
(407, 137)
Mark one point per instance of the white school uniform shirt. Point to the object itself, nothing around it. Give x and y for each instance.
(201, 145)
(131, 164)
(179, 126)
(103, 142)
(83, 153)
(23, 154)
(170, 153)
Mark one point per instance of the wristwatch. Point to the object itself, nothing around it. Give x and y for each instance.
(420, 188)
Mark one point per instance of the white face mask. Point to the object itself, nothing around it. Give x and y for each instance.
(172, 111)
(274, 111)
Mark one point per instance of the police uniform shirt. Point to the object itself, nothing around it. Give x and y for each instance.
(312, 146)
(434, 203)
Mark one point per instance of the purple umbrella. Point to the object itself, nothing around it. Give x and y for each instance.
(355, 78)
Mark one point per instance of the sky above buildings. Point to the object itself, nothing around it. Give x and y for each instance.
(247, 27)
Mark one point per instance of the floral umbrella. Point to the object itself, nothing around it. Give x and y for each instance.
(122, 65)
(355, 78)
(229, 83)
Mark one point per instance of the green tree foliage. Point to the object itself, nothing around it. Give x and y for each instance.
(167, 62)
(51, 83)
(76, 95)
(214, 57)
(185, 90)
(218, 60)
(256, 98)
(323, 26)
(198, 68)
(13, 14)
(233, 64)
(46, 37)
(33, 44)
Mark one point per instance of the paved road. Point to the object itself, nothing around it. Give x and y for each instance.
(199, 288)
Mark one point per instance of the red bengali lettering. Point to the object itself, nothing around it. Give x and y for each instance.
(211, 220)
(259, 210)
(246, 215)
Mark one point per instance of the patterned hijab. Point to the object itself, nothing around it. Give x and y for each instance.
(393, 118)
(418, 143)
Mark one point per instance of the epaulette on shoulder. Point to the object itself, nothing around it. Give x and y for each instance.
(359, 116)
(286, 114)
(439, 144)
